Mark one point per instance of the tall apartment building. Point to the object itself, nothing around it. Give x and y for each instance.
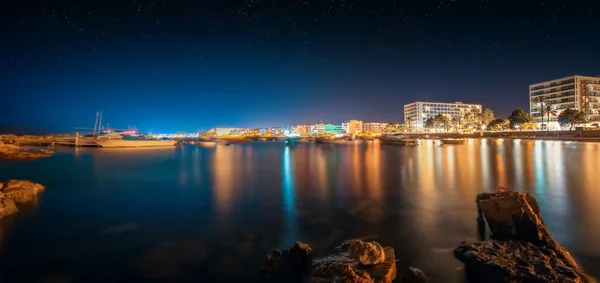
(374, 127)
(416, 113)
(581, 93)
(352, 127)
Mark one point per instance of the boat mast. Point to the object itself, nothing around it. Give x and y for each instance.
(100, 125)
(95, 124)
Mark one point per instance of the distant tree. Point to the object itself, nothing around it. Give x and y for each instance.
(498, 124)
(455, 121)
(390, 128)
(571, 117)
(472, 119)
(430, 123)
(585, 93)
(519, 117)
(487, 116)
(442, 121)
(549, 110)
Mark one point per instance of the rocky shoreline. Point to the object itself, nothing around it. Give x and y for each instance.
(15, 192)
(520, 249)
(9, 150)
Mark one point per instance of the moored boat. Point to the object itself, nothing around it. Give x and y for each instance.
(135, 143)
(237, 140)
(206, 143)
(221, 141)
(395, 140)
(454, 141)
(330, 140)
(356, 141)
(406, 142)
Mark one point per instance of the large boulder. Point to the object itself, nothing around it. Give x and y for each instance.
(521, 249)
(367, 253)
(341, 266)
(513, 261)
(512, 215)
(345, 265)
(21, 190)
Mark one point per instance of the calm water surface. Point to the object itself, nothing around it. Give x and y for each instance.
(211, 214)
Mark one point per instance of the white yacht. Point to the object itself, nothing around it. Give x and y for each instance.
(135, 143)
(128, 141)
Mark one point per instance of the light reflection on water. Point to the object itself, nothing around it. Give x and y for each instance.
(215, 212)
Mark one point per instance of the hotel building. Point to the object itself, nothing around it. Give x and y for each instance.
(576, 92)
(416, 113)
(302, 130)
(352, 127)
(374, 127)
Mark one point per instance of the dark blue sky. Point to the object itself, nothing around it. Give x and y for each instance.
(187, 65)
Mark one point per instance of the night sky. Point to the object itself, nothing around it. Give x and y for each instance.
(185, 65)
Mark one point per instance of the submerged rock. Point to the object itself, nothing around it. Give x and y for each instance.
(21, 190)
(513, 261)
(16, 191)
(7, 207)
(11, 151)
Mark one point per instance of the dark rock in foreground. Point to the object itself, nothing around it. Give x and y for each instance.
(513, 261)
(292, 265)
(524, 251)
(16, 191)
(353, 261)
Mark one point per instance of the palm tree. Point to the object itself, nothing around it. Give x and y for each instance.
(455, 124)
(549, 107)
(540, 100)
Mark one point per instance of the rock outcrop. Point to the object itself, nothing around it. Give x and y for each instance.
(352, 261)
(513, 261)
(16, 191)
(521, 248)
(11, 151)
(367, 253)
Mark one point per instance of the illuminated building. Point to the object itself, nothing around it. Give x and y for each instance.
(333, 129)
(352, 127)
(319, 129)
(416, 113)
(277, 130)
(576, 92)
(302, 130)
(224, 131)
(374, 127)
